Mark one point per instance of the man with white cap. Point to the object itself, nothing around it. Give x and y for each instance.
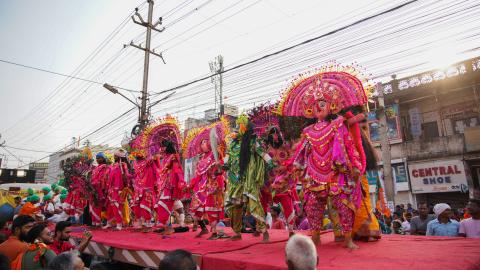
(442, 225)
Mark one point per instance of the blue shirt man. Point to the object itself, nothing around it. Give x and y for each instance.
(436, 228)
(442, 225)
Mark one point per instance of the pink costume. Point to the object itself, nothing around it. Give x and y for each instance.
(117, 181)
(144, 198)
(208, 185)
(100, 176)
(170, 186)
(75, 199)
(283, 182)
(329, 157)
(161, 168)
(326, 152)
(76, 171)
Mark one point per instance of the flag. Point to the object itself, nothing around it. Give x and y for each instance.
(381, 198)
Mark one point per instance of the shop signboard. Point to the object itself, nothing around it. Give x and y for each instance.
(438, 176)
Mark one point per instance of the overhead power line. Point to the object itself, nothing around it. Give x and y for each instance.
(292, 47)
(63, 75)
(25, 149)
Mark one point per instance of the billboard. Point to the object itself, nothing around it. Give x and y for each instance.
(393, 122)
(438, 176)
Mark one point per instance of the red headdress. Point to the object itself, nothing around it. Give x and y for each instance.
(149, 141)
(341, 86)
(193, 140)
(263, 118)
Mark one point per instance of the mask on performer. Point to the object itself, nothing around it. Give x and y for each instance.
(321, 109)
(205, 146)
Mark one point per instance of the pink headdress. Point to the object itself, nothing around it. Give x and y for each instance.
(263, 118)
(193, 140)
(149, 141)
(341, 86)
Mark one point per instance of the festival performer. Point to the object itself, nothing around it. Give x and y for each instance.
(366, 226)
(281, 179)
(160, 143)
(100, 177)
(327, 151)
(170, 183)
(144, 199)
(247, 164)
(77, 172)
(119, 179)
(208, 184)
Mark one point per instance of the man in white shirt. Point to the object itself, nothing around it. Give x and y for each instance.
(61, 215)
(470, 227)
(406, 223)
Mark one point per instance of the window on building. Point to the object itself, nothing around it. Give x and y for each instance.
(406, 131)
(430, 130)
(459, 125)
(21, 173)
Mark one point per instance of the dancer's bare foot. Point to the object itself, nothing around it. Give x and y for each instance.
(194, 228)
(202, 232)
(372, 239)
(350, 245)
(349, 241)
(266, 237)
(236, 237)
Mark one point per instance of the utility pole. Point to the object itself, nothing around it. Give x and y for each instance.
(385, 145)
(144, 112)
(216, 67)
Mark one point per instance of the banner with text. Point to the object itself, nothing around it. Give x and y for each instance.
(438, 176)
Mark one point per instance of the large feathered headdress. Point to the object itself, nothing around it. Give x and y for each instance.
(341, 86)
(193, 140)
(149, 141)
(263, 118)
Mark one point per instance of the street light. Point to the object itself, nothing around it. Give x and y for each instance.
(136, 129)
(115, 91)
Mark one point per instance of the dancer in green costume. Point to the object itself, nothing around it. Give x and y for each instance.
(247, 163)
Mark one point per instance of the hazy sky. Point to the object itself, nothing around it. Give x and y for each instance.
(42, 111)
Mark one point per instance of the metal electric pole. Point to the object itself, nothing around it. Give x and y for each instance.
(385, 145)
(144, 112)
(216, 67)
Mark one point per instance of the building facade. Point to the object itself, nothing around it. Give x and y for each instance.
(433, 123)
(40, 169)
(56, 161)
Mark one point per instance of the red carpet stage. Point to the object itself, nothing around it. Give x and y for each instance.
(392, 252)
